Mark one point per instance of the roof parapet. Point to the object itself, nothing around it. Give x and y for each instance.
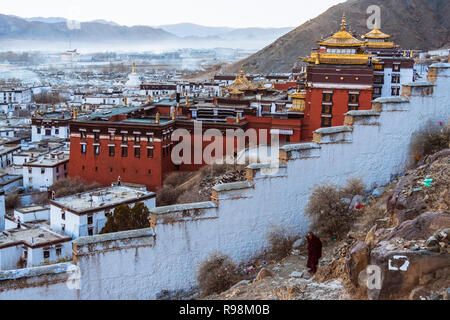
(332, 134)
(366, 117)
(418, 89)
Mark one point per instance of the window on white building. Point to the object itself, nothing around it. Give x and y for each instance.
(46, 253)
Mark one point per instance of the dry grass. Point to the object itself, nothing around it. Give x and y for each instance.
(68, 186)
(328, 211)
(434, 139)
(280, 244)
(353, 187)
(217, 274)
(12, 200)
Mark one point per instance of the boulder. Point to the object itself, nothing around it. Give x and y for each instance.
(263, 274)
(378, 192)
(357, 260)
(402, 270)
(422, 227)
(296, 274)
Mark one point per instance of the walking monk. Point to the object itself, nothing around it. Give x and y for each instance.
(314, 252)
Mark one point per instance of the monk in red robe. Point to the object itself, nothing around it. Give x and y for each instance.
(314, 252)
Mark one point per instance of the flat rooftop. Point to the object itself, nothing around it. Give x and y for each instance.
(32, 209)
(38, 236)
(102, 198)
(8, 178)
(47, 162)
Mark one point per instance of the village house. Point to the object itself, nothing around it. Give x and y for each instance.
(39, 174)
(25, 248)
(85, 214)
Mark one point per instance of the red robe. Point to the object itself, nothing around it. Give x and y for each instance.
(314, 253)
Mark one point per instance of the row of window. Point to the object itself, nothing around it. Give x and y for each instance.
(379, 78)
(124, 151)
(47, 132)
(352, 98)
(149, 171)
(341, 51)
(124, 137)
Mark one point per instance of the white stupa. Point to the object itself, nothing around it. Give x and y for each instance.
(133, 79)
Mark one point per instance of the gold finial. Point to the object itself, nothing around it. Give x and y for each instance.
(157, 118)
(149, 99)
(412, 54)
(75, 111)
(124, 101)
(41, 111)
(237, 117)
(187, 100)
(317, 59)
(173, 115)
(344, 23)
(134, 67)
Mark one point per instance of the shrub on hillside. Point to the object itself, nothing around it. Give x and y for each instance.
(193, 195)
(217, 274)
(69, 186)
(328, 210)
(12, 200)
(429, 141)
(353, 187)
(166, 196)
(176, 179)
(280, 244)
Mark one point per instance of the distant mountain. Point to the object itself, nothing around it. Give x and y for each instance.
(46, 20)
(413, 24)
(14, 28)
(194, 30)
(191, 30)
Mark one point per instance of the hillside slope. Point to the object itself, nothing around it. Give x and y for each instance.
(415, 24)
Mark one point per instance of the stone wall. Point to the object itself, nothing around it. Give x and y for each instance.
(372, 145)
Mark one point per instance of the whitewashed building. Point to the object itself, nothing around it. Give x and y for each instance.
(15, 95)
(39, 174)
(32, 214)
(85, 214)
(54, 125)
(25, 248)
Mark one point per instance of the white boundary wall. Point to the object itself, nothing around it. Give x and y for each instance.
(138, 264)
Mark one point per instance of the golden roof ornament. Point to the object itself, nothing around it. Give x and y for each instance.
(237, 117)
(173, 115)
(75, 113)
(149, 99)
(124, 101)
(134, 68)
(343, 23)
(157, 118)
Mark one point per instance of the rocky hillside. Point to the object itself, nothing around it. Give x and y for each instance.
(415, 24)
(403, 229)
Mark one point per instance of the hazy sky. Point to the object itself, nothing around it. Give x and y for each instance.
(233, 13)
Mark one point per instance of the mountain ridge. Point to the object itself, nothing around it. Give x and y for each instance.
(413, 24)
